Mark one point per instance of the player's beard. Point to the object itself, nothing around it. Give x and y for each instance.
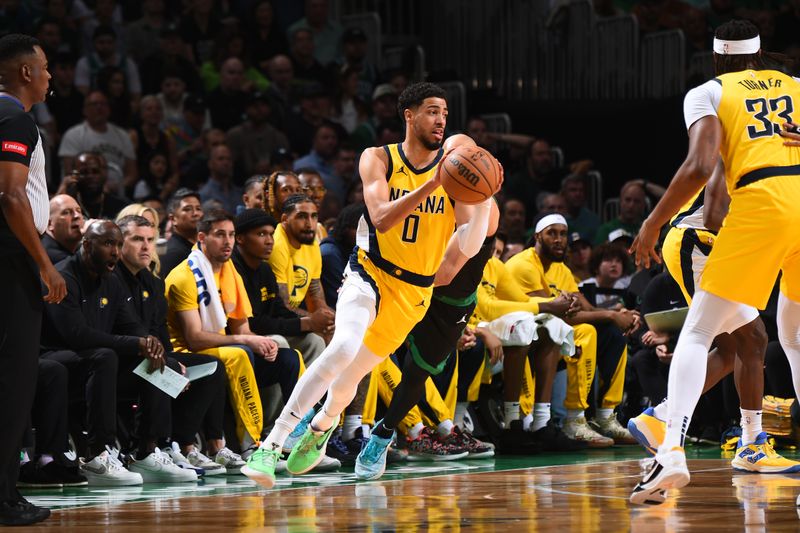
(552, 256)
(431, 145)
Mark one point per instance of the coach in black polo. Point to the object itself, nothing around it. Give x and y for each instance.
(24, 213)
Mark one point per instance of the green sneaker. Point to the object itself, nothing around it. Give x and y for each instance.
(260, 467)
(309, 450)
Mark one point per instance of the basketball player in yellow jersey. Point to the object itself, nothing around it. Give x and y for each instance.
(389, 280)
(687, 245)
(737, 115)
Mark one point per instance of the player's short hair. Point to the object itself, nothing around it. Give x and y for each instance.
(15, 45)
(211, 217)
(291, 203)
(175, 200)
(126, 222)
(416, 93)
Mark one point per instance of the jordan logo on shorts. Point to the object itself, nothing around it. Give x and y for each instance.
(421, 304)
(463, 320)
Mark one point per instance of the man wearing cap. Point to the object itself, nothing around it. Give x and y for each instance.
(580, 252)
(632, 205)
(253, 141)
(540, 271)
(254, 241)
(384, 108)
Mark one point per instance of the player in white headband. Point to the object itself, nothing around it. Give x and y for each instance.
(752, 104)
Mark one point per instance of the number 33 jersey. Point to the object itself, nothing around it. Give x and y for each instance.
(752, 106)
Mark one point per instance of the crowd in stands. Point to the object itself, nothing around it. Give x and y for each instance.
(203, 165)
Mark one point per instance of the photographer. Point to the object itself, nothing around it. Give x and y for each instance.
(87, 182)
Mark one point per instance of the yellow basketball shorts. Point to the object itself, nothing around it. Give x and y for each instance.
(760, 237)
(685, 254)
(399, 306)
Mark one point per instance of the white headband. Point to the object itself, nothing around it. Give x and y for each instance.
(730, 48)
(549, 220)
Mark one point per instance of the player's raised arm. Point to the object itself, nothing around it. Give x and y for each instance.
(383, 212)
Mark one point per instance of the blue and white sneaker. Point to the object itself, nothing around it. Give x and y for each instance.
(371, 462)
(298, 431)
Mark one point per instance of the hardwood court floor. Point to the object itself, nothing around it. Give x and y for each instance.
(495, 495)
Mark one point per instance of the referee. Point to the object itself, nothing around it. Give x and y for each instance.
(24, 212)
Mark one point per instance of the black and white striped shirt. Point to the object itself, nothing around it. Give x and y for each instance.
(20, 142)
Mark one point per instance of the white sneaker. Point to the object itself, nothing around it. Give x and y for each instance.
(174, 453)
(106, 470)
(198, 460)
(230, 461)
(668, 471)
(159, 468)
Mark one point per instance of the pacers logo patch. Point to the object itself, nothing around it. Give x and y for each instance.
(15, 147)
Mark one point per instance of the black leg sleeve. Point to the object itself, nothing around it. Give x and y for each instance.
(409, 392)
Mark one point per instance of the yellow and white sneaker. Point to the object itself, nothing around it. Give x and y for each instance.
(761, 457)
(648, 430)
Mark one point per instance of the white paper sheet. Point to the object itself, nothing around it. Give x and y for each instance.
(169, 381)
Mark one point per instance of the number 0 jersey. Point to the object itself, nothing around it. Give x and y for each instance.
(412, 250)
(751, 105)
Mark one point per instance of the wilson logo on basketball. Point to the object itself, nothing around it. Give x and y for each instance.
(464, 172)
(15, 147)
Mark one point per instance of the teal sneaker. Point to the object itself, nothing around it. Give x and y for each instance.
(260, 467)
(371, 462)
(309, 450)
(298, 431)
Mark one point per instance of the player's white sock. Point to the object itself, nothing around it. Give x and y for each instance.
(708, 316)
(351, 424)
(660, 410)
(603, 413)
(510, 412)
(414, 432)
(751, 426)
(461, 410)
(572, 414)
(527, 422)
(445, 427)
(541, 415)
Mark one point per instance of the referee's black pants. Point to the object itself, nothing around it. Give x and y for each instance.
(50, 414)
(20, 330)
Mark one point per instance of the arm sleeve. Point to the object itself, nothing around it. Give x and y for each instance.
(702, 101)
(68, 319)
(18, 138)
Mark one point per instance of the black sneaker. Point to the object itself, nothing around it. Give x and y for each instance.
(339, 450)
(21, 513)
(516, 441)
(33, 477)
(551, 439)
(69, 476)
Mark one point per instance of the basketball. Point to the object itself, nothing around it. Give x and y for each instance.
(470, 174)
